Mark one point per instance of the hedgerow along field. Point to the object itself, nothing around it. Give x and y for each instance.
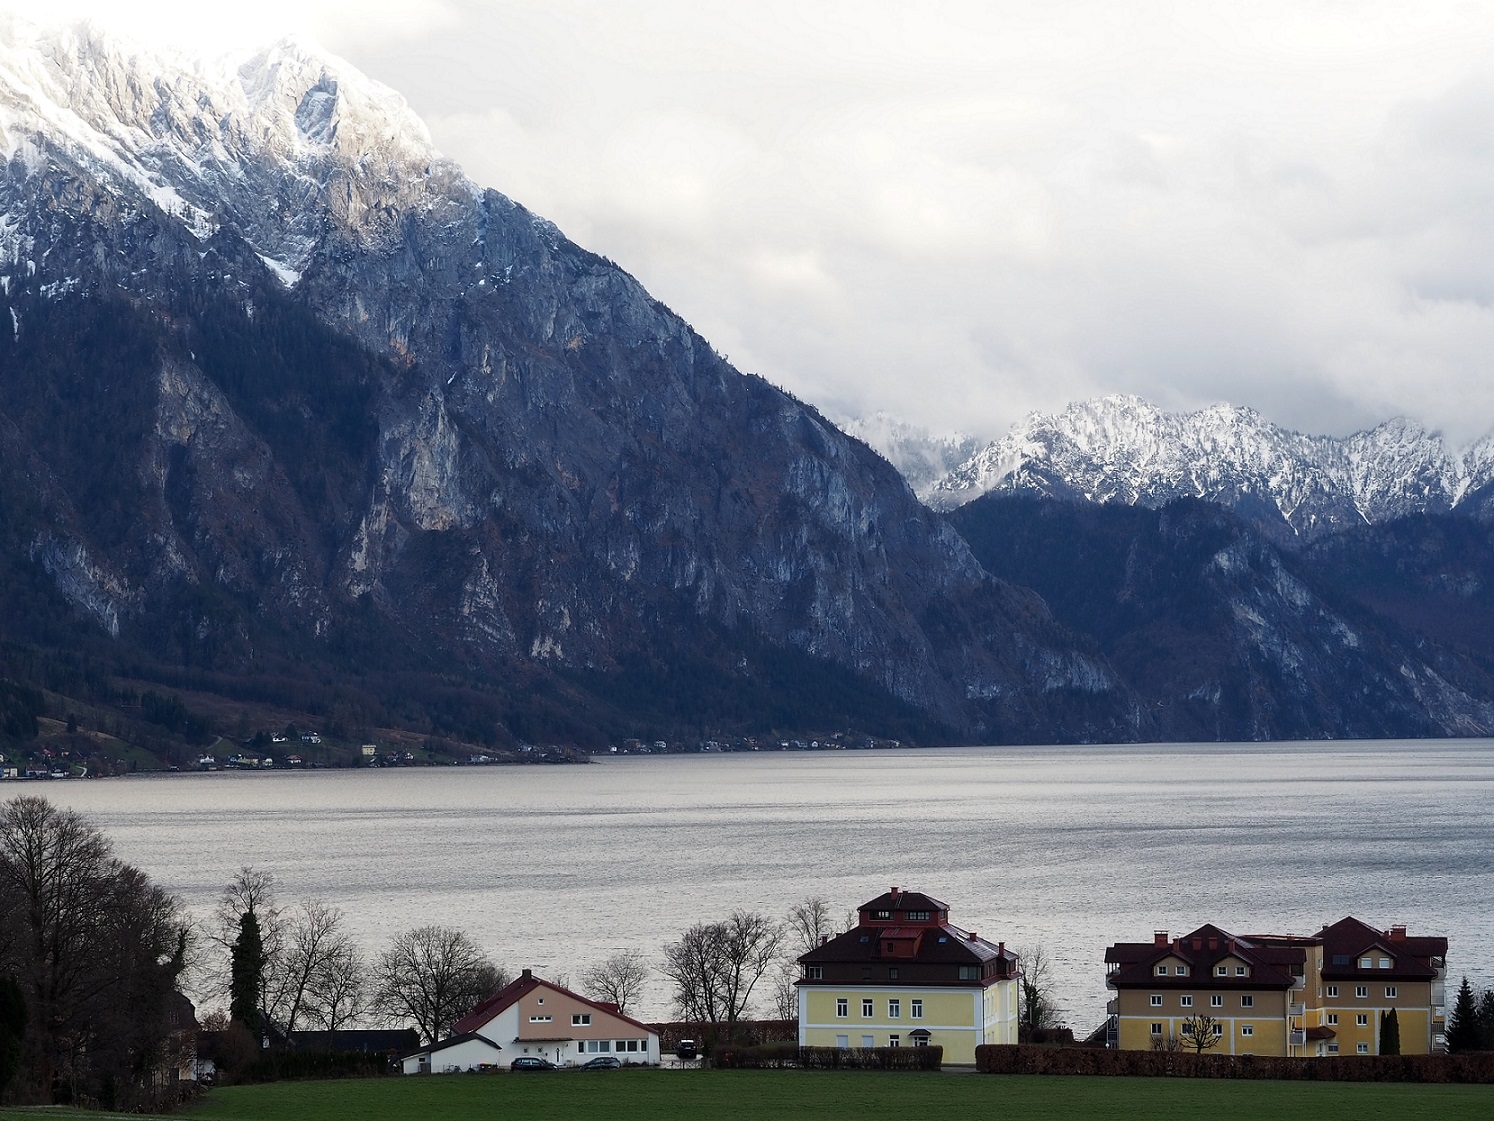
(664, 1095)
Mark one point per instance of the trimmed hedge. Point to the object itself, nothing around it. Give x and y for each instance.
(779, 1056)
(1024, 1059)
(289, 1066)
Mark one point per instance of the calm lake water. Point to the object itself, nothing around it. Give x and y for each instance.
(1074, 848)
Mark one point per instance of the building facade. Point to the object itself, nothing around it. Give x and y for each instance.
(531, 1016)
(1272, 994)
(905, 977)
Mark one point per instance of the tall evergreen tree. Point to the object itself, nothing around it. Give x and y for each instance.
(1486, 1020)
(1463, 1032)
(1390, 1033)
(247, 970)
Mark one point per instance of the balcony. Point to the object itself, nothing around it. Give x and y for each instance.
(1298, 1009)
(1113, 1006)
(1298, 1037)
(1439, 1012)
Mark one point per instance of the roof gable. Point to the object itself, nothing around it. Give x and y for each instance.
(510, 994)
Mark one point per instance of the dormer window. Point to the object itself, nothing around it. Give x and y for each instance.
(1384, 963)
(1242, 971)
(918, 916)
(1366, 963)
(1161, 971)
(1182, 971)
(884, 914)
(1221, 971)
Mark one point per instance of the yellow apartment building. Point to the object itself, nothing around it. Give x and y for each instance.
(905, 977)
(1272, 994)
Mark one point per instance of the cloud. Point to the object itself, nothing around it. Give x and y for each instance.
(960, 211)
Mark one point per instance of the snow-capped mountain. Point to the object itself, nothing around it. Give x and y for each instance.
(920, 456)
(1122, 449)
(363, 396)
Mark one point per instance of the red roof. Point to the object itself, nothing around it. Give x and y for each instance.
(527, 983)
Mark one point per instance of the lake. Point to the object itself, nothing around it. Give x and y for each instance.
(1070, 847)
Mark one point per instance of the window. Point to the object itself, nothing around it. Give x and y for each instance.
(1332, 990)
(580, 1019)
(884, 914)
(1247, 1029)
(1218, 1031)
(816, 972)
(1182, 971)
(1390, 991)
(1333, 1048)
(920, 1038)
(1221, 971)
(1362, 1020)
(892, 974)
(841, 1006)
(1186, 1000)
(1156, 1000)
(1340, 959)
(894, 1009)
(1187, 1028)
(1366, 963)
(918, 916)
(894, 1041)
(1216, 1001)
(1333, 1019)
(1161, 971)
(866, 1007)
(916, 1009)
(1247, 1001)
(1362, 1049)
(1361, 991)
(843, 1042)
(1156, 1028)
(1242, 971)
(1384, 963)
(540, 1019)
(969, 973)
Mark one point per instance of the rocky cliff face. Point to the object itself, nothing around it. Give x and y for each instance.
(278, 373)
(1122, 449)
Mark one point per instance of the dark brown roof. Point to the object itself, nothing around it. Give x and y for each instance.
(904, 901)
(1347, 940)
(1271, 967)
(942, 943)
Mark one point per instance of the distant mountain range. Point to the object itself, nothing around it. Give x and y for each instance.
(295, 418)
(1120, 449)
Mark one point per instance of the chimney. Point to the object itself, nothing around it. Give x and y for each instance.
(1001, 948)
(1398, 933)
(1159, 938)
(892, 891)
(528, 973)
(824, 938)
(973, 936)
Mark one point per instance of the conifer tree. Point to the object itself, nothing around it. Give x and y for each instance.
(1463, 1032)
(247, 973)
(1486, 1020)
(1390, 1033)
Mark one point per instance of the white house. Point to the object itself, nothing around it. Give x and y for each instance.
(467, 1051)
(531, 1016)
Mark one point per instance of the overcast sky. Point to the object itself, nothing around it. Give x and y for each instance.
(960, 212)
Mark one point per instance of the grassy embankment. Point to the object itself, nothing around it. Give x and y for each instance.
(854, 1096)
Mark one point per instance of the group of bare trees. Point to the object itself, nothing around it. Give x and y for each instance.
(297, 968)
(90, 955)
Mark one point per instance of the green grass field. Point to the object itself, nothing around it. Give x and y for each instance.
(833, 1095)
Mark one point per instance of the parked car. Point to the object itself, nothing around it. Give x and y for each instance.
(602, 1062)
(531, 1062)
(686, 1049)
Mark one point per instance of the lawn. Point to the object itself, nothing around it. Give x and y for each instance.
(853, 1095)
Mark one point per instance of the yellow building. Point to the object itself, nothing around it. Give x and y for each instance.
(1273, 994)
(904, 977)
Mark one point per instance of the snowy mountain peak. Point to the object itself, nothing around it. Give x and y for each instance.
(1124, 449)
(267, 141)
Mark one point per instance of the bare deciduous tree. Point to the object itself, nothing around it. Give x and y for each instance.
(1202, 1032)
(313, 942)
(715, 966)
(96, 949)
(618, 979)
(1038, 1009)
(430, 977)
(808, 923)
